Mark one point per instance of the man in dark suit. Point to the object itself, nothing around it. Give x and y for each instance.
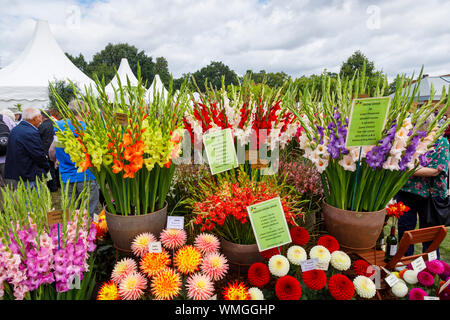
(25, 155)
(47, 133)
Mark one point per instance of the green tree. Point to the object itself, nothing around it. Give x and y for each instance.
(272, 79)
(79, 62)
(213, 74)
(355, 63)
(64, 90)
(162, 69)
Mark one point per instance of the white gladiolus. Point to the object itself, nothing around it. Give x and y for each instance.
(321, 165)
(402, 134)
(391, 163)
(347, 163)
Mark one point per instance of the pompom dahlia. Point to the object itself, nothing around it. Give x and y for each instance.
(328, 242)
(269, 253)
(139, 246)
(320, 253)
(255, 293)
(199, 287)
(187, 259)
(288, 288)
(299, 236)
(236, 291)
(340, 260)
(207, 243)
(341, 287)
(154, 262)
(400, 289)
(173, 238)
(132, 286)
(410, 276)
(258, 274)
(364, 287)
(166, 284)
(417, 294)
(363, 268)
(425, 278)
(108, 291)
(296, 255)
(435, 267)
(315, 279)
(215, 266)
(279, 265)
(122, 269)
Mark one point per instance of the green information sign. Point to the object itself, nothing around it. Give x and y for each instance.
(220, 151)
(367, 119)
(269, 224)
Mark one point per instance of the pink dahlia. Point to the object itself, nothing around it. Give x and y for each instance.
(207, 243)
(215, 266)
(132, 286)
(199, 287)
(425, 278)
(139, 246)
(417, 294)
(435, 267)
(173, 238)
(122, 269)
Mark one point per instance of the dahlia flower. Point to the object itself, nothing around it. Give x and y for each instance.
(435, 267)
(410, 276)
(166, 284)
(187, 259)
(108, 291)
(132, 286)
(288, 288)
(417, 294)
(425, 278)
(215, 266)
(139, 246)
(255, 293)
(279, 265)
(258, 274)
(122, 269)
(236, 291)
(328, 242)
(299, 235)
(341, 287)
(364, 287)
(320, 253)
(296, 255)
(269, 253)
(361, 268)
(340, 260)
(400, 289)
(173, 238)
(199, 287)
(315, 279)
(154, 262)
(206, 243)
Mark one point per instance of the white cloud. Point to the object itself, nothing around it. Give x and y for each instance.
(297, 37)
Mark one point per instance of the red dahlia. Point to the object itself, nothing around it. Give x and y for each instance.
(288, 288)
(267, 254)
(328, 242)
(315, 279)
(360, 266)
(258, 274)
(299, 235)
(341, 287)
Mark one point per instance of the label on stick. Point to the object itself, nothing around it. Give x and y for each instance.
(220, 151)
(175, 222)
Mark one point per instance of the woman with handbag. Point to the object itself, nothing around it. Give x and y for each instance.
(423, 192)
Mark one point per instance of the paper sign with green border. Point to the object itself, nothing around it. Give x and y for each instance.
(269, 224)
(220, 151)
(367, 119)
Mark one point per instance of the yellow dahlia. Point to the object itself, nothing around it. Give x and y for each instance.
(236, 291)
(108, 291)
(199, 287)
(122, 269)
(166, 284)
(152, 263)
(173, 238)
(132, 286)
(187, 259)
(139, 246)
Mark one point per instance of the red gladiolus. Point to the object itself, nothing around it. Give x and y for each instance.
(288, 288)
(341, 287)
(258, 274)
(315, 279)
(328, 242)
(299, 235)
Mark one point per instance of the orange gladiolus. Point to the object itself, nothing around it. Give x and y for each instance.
(86, 163)
(118, 166)
(126, 139)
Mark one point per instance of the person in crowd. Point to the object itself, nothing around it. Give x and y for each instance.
(426, 182)
(67, 168)
(25, 155)
(18, 117)
(47, 133)
(7, 117)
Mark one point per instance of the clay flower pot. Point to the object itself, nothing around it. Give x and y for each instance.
(355, 231)
(240, 256)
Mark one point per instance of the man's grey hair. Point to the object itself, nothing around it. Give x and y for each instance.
(75, 106)
(30, 113)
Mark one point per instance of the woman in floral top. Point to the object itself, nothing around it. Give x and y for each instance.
(429, 181)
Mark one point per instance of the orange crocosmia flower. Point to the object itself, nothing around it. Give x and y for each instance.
(117, 167)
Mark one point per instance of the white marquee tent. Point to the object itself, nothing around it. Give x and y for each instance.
(124, 72)
(156, 87)
(25, 81)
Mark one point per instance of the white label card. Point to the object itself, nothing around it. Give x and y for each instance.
(430, 298)
(322, 266)
(154, 247)
(445, 285)
(96, 218)
(309, 264)
(214, 297)
(432, 255)
(391, 280)
(418, 264)
(175, 222)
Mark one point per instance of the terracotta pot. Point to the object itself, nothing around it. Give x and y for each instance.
(123, 229)
(355, 231)
(240, 256)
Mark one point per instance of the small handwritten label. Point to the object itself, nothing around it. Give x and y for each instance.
(418, 264)
(445, 285)
(308, 265)
(55, 216)
(322, 266)
(432, 255)
(154, 247)
(175, 222)
(121, 118)
(96, 218)
(391, 280)
(430, 298)
(214, 297)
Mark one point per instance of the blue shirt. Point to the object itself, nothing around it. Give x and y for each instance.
(67, 168)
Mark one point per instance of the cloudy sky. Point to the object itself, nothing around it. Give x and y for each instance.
(298, 37)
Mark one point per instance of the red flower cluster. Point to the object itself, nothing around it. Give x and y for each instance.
(328, 242)
(360, 266)
(258, 274)
(396, 210)
(315, 279)
(341, 287)
(299, 236)
(288, 288)
(269, 253)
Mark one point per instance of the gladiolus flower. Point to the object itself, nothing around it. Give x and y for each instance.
(132, 286)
